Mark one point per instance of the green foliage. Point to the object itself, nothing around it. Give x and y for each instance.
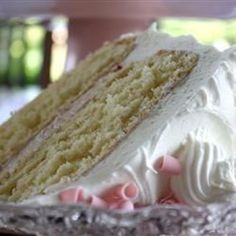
(205, 30)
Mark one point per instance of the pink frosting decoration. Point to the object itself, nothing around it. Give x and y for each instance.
(140, 205)
(126, 206)
(122, 205)
(118, 197)
(71, 195)
(97, 202)
(168, 165)
(122, 192)
(169, 199)
(81, 197)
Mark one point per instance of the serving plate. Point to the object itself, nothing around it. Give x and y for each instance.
(74, 220)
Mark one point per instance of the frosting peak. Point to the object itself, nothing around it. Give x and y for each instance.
(208, 174)
(224, 175)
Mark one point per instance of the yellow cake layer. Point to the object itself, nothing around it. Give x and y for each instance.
(126, 98)
(18, 130)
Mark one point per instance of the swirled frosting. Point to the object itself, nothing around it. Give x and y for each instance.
(197, 125)
(207, 151)
(209, 174)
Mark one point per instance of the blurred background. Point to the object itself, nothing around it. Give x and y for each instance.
(40, 40)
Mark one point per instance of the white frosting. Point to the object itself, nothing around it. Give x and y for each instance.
(201, 133)
(208, 173)
(209, 155)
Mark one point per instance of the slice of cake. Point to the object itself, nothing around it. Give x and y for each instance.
(160, 109)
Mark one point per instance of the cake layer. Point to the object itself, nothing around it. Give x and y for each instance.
(26, 123)
(126, 98)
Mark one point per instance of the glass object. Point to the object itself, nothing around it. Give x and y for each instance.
(73, 220)
(59, 47)
(33, 60)
(4, 55)
(16, 51)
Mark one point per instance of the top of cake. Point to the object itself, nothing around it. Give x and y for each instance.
(167, 97)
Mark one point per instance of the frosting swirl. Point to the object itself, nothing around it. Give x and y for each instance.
(208, 174)
(208, 152)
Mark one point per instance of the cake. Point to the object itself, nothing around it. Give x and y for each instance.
(145, 119)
